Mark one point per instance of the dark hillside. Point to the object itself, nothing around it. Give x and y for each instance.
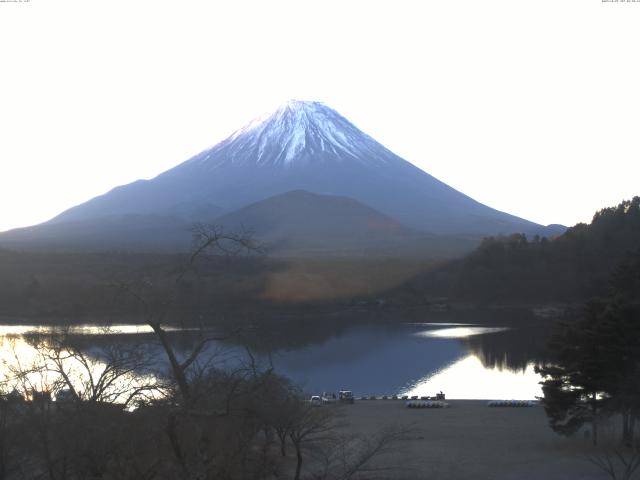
(570, 267)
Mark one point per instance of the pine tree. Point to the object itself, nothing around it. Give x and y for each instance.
(597, 360)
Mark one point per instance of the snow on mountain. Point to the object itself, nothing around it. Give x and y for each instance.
(297, 131)
(302, 146)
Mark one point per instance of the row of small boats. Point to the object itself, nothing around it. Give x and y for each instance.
(511, 403)
(434, 402)
(492, 403)
(438, 396)
(426, 404)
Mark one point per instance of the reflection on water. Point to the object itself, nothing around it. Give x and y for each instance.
(111, 371)
(514, 349)
(468, 378)
(10, 330)
(459, 332)
(437, 324)
(462, 360)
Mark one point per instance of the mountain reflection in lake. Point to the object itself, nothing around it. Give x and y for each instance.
(464, 361)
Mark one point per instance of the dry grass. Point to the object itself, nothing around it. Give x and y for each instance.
(472, 441)
(320, 279)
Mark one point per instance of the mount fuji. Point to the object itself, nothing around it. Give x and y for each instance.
(302, 146)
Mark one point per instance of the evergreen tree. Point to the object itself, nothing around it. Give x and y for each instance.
(597, 366)
(575, 387)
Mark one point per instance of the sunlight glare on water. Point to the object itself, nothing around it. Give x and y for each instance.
(26, 369)
(10, 330)
(468, 374)
(459, 332)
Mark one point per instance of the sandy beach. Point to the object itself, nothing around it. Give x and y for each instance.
(470, 440)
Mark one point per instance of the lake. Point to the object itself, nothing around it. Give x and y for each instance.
(465, 361)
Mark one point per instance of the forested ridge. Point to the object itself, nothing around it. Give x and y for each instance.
(594, 374)
(571, 267)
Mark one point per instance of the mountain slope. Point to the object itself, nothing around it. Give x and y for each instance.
(129, 232)
(292, 223)
(304, 146)
(304, 222)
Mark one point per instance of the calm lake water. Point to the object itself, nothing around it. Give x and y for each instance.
(465, 361)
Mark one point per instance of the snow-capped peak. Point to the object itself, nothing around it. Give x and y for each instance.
(296, 132)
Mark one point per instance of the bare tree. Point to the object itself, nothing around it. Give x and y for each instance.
(310, 425)
(59, 440)
(110, 373)
(207, 422)
(346, 457)
(207, 240)
(617, 464)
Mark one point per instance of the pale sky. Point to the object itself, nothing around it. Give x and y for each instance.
(531, 107)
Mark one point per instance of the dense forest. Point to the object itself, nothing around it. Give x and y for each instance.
(594, 373)
(515, 269)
